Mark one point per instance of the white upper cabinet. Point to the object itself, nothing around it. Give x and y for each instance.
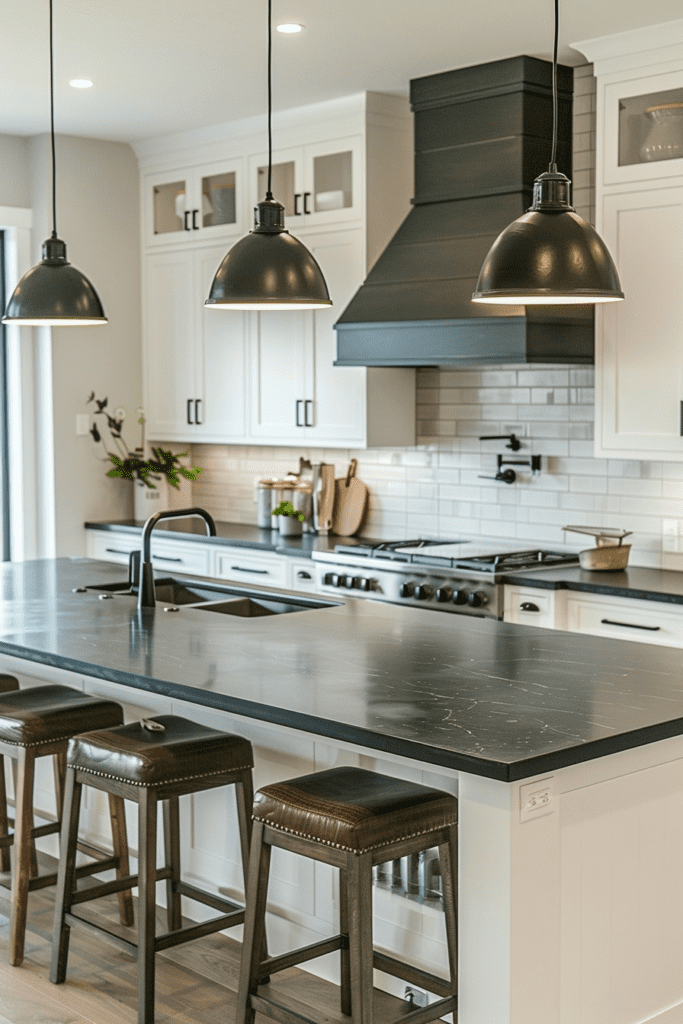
(194, 204)
(639, 212)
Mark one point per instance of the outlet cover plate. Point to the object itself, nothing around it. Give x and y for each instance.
(536, 799)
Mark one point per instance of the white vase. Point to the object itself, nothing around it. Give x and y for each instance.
(148, 500)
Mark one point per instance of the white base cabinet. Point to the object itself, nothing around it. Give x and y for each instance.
(623, 618)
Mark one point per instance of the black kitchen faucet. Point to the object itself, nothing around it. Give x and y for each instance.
(143, 558)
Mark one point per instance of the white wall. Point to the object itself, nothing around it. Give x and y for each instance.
(15, 185)
(98, 218)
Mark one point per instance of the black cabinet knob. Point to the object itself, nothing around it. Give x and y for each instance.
(476, 599)
(460, 597)
(444, 594)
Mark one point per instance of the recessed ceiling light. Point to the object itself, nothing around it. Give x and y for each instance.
(290, 29)
(80, 83)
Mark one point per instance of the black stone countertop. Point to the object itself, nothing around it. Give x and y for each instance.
(233, 534)
(647, 584)
(488, 697)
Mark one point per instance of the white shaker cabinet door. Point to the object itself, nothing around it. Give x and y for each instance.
(169, 362)
(278, 347)
(639, 359)
(220, 415)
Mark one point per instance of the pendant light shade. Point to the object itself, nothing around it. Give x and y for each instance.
(549, 255)
(54, 293)
(269, 268)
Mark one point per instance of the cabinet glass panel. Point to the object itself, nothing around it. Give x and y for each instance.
(332, 181)
(651, 127)
(218, 199)
(169, 207)
(283, 180)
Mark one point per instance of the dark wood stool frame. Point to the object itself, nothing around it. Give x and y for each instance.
(25, 877)
(358, 958)
(147, 799)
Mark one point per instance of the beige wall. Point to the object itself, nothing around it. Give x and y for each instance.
(15, 185)
(98, 218)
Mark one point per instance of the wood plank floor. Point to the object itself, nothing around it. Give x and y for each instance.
(195, 983)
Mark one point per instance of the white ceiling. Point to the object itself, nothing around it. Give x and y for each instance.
(166, 65)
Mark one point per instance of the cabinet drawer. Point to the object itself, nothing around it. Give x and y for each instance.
(248, 567)
(167, 555)
(530, 607)
(649, 622)
(111, 547)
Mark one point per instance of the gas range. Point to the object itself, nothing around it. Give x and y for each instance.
(464, 577)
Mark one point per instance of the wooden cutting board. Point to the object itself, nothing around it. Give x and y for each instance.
(325, 498)
(350, 499)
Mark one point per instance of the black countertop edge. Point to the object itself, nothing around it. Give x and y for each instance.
(499, 771)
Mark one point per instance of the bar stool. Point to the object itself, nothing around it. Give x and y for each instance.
(7, 685)
(39, 722)
(352, 819)
(158, 759)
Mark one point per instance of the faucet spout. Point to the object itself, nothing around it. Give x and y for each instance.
(146, 596)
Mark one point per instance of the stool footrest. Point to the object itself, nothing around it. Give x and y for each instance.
(97, 929)
(278, 1012)
(36, 833)
(299, 956)
(198, 931)
(95, 892)
(431, 1012)
(207, 898)
(398, 969)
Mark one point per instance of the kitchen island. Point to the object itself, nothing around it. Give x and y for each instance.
(566, 754)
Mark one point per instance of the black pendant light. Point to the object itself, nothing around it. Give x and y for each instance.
(269, 268)
(53, 293)
(549, 255)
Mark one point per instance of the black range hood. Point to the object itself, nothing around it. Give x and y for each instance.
(482, 134)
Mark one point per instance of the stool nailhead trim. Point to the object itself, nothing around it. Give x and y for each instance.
(166, 782)
(349, 849)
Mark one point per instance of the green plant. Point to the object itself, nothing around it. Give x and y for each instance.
(285, 508)
(132, 465)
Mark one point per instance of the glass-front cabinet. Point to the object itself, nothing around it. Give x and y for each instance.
(643, 128)
(317, 184)
(197, 203)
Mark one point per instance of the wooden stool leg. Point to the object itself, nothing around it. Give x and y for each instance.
(119, 837)
(23, 845)
(33, 856)
(244, 795)
(147, 817)
(66, 879)
(359, 881)
(172, 847)
(344, 930)
(5, 860)
(254, 925)
(448, 858)
(59, 772)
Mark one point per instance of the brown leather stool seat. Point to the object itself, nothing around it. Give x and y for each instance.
(158, 759)
(352, 819)
(38, 722)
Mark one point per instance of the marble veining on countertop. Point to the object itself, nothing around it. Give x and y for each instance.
(488, 697)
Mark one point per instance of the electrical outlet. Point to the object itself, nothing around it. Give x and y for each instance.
(536, 799)
(415, 996)
(82, 423)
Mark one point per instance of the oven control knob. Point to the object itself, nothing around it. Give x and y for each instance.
(476, 599)
(350, 582)
(364, 583)
(444, 594)
(421, 593)
(459, 597)
(406, 590)
(330, 579)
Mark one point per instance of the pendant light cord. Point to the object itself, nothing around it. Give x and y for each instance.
(52, 131)
(553, 155)
(269, 194)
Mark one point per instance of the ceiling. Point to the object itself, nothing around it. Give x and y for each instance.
(166, 65)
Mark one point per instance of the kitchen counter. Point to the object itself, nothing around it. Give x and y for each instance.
(646, 584)
(232, 534)
(502, 701)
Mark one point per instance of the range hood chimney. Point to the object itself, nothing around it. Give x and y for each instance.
(482, 134)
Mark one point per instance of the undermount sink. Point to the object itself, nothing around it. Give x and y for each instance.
(208, 597)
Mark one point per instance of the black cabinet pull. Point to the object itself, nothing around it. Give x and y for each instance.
(257, 572)
(301, 575)
(306, 198)
(189, 410)
(195, 225)
(165, 558)
(529, 606)
(630, 625)
(197, 411)
(297, 197)
(185, 220)
(117, 551)
(299, 403)
(307, 403)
